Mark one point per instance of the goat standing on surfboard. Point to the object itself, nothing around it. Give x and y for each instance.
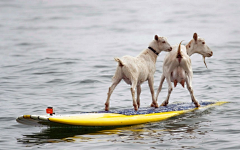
(136, 70)
(177, 66)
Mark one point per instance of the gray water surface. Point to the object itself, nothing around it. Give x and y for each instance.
(60, 54)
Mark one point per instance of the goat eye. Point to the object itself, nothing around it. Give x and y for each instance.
(203, 42)
(163, 42)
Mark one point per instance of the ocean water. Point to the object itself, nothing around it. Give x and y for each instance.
(60, 53)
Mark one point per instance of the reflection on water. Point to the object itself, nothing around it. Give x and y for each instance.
(177, 128)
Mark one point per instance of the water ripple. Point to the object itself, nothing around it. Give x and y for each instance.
(60, 54)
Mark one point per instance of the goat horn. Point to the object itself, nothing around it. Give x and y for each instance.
(204, 62)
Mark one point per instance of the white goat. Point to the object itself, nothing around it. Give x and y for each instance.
(177, 66)
(136, 70)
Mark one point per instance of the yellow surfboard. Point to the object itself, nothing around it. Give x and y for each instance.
(115, 117)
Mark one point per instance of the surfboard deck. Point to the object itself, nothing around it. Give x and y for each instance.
(114, 117)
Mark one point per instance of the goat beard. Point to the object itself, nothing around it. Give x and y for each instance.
(204, 62)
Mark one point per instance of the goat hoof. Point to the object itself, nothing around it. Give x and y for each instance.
(138, 105)
(106, 109)
(197, 105)
(152, 105)
(163, 104)
(135, 106)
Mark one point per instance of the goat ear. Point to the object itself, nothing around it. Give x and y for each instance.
(195, 36)
(156, 37)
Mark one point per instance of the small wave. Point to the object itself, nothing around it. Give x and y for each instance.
(48, 72)
(7, 118)
(199, 72)
(23, 44)
(89, 81)
(106, 76)
(29, 44)
(86, 81)
(59, 18)
(55, 81)
(100, 66)
(47, 59)
(65, 63)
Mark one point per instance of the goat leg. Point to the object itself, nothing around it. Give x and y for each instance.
(138, 95)
(159, 88)
(189, 86)
(134, 84)
(150, 83)
(110, 90)
(170, 88)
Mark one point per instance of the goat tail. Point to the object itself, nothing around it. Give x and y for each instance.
(120, 63)
(179, 54)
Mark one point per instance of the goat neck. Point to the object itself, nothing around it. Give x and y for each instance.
(154, 46)
(190, 49)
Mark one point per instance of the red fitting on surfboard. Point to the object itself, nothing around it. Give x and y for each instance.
(49, 110)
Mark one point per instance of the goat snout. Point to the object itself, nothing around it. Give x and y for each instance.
(170, 49)
(210, 54)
